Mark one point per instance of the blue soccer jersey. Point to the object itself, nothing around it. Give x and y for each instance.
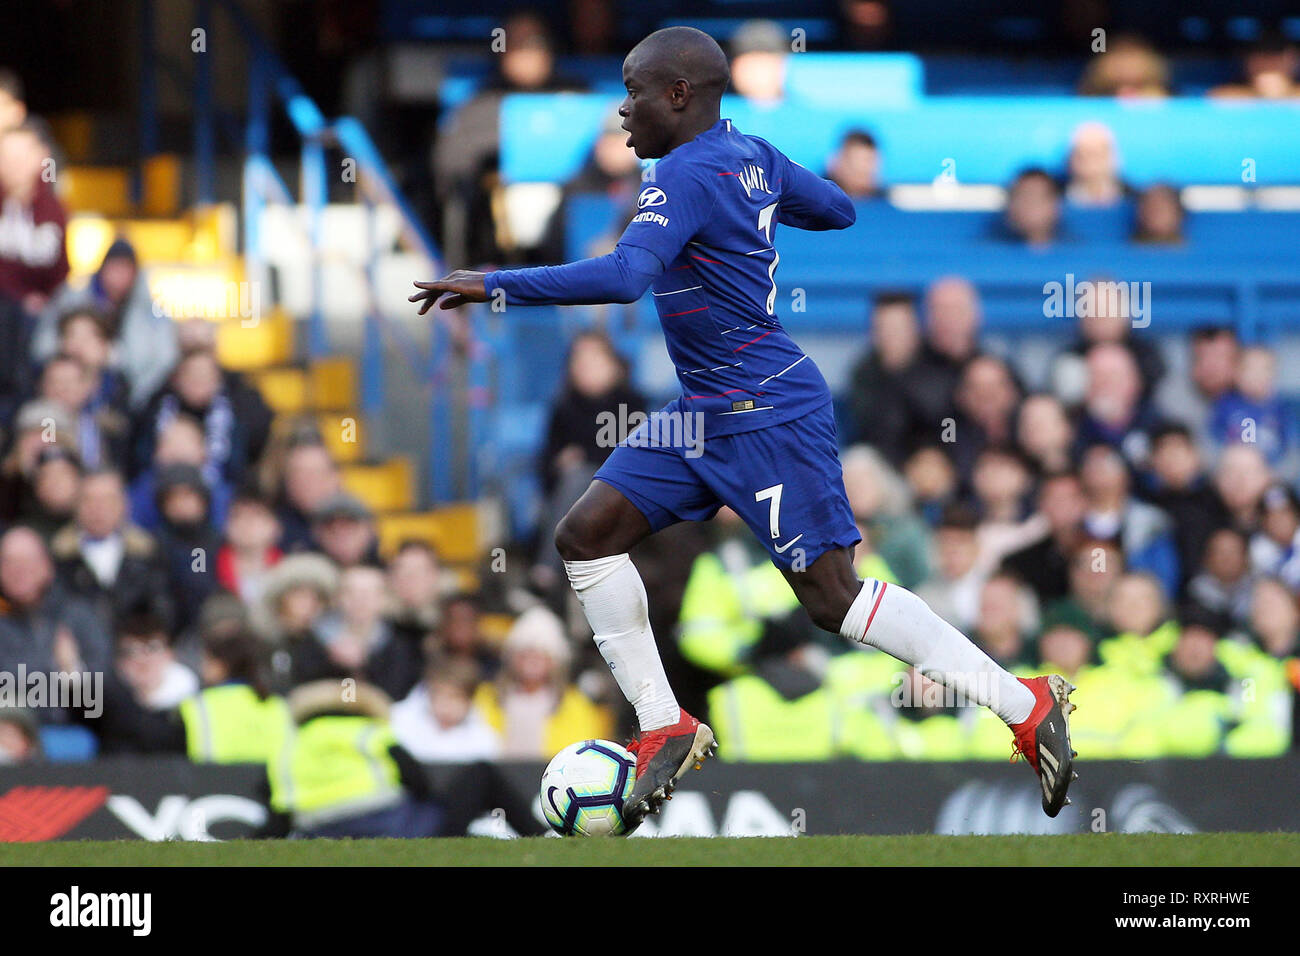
(703, 240)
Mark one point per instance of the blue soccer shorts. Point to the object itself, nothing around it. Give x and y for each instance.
(785, 482)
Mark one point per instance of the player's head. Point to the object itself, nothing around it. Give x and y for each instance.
(675, 79)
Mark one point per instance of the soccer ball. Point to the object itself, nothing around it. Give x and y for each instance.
(584, 786)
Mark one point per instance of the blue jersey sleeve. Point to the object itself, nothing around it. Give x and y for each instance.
(671, 210)
(621, 276)
(810, 202)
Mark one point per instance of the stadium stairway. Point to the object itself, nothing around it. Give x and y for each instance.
(191, 259)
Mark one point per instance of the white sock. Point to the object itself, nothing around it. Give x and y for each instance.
(614, 599)
(901, 624)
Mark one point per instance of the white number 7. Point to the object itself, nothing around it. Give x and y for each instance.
(774, 515)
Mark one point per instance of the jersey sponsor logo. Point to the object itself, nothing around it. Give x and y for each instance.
(651, 196)
(651, 217)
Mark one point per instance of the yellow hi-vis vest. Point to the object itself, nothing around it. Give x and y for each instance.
(229, 723)
(332, 768)
(754, 722)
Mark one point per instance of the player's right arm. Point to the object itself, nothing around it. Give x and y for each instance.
(621, 276)
(672, 209)
(810, 202)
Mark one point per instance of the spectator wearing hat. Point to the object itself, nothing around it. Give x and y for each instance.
(297, 593)
(33, 221)
(143, 337)
(532, 704)
(39, 425)
(187, 541)
(106, 560)
(43, 627)
(343, 529)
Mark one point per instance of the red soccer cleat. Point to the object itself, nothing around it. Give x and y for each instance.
(1044, 739)
(663, 756)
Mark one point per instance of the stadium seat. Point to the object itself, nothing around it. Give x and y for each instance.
(385, 487)
(453, 530)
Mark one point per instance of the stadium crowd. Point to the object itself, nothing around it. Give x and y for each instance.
(1134, 530)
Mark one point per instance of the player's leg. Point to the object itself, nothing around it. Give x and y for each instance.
(788, 486)
(594, 539)
(899, 623)
(636, 492)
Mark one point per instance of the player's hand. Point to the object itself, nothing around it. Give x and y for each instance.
(463, 285)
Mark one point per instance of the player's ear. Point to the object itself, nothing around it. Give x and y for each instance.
(680, 93)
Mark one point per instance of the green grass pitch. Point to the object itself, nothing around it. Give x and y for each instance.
(1207, 849)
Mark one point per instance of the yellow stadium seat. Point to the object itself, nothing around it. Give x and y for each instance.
(453, 530)
(389, 486)
(245, 347)
(333, 384)
(159, 240)
(102, 189)
(284, 389)
(342, 433)
(161, 181)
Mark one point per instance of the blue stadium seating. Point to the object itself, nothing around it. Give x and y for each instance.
(984, 139)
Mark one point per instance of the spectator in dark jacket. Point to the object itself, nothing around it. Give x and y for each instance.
(1180, 486)
(105, 560)
(187, 542)
(43, 627)
(232, 420)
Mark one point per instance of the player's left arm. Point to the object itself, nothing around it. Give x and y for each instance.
(810, 202)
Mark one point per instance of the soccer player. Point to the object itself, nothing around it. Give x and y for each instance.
(703, 244)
